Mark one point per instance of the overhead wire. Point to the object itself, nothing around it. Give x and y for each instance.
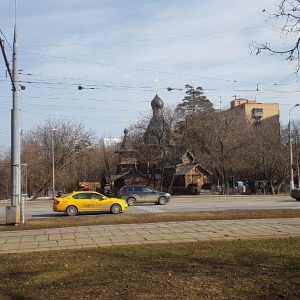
(132, 68)
(6, 40)
(115, 85)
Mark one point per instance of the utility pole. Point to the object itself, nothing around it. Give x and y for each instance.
(13, 211)
(15, 130)
(53, 161)
(291, 150)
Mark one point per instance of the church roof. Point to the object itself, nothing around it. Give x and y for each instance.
(158, 131)
(157, 103)
(183, 169)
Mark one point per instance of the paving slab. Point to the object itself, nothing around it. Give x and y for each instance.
(84, 237)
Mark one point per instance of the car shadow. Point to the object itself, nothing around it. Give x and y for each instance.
(288, 200)
(65, 215)
(144, 204)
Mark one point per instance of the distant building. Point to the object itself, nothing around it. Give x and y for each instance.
(128, 166)
(158, 131)
(149, 163)
(189, 177)
(255, 113)
(111, 141)
(89, 186)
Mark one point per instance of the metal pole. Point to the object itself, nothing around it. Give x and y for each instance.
(297, 143)
(291, 151)
(15, 130)
(298, 173)
(53, 167)
(24, 193)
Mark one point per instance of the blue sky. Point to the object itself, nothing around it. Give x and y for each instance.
(118, 48)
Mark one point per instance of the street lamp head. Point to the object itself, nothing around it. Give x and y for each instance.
(292, 108)
(82, 87)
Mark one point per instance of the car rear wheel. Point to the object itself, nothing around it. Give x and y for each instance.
(72, 210)
(162, 200)
(298, 199)
(115, 209)
(131, 201)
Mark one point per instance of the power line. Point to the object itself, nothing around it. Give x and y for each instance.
(6, 40)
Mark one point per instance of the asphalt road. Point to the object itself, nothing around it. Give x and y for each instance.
(43, 209)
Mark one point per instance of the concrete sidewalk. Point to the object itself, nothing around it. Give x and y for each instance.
(149, 233)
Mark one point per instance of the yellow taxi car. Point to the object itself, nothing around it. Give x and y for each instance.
(88, 201)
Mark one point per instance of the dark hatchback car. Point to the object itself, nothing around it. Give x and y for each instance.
(295, 193)
(142, 194)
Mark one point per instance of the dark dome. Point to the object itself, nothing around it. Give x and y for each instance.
(126, 131)
(157, 103)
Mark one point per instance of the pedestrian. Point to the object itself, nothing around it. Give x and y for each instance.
(244, 189)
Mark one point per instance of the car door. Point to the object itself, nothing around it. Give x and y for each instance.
(100, 202)
(138, 194)
(149, 195)
(82, 202)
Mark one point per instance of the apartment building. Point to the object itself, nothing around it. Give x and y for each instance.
(254, 112)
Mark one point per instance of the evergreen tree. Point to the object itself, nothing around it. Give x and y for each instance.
(194, 102)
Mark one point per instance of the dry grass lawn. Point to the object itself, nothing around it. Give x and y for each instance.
(262, 269)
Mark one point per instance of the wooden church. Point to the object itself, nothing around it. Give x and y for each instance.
(147, 164)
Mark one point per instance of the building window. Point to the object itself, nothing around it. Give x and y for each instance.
(257, 114)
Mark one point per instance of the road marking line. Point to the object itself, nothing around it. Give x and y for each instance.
(150, 209)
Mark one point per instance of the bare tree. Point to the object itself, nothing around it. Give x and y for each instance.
(106, 157)
(289, 12)
(221, 138)
(265, 159)
(232, 147)
(160, 148)
(5, 175)
(296, 149)
(69, 139)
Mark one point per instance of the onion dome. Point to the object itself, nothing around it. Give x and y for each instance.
(157, 103)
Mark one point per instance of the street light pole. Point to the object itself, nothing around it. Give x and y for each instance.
(53, 167)
(291, 151)
(15, 130)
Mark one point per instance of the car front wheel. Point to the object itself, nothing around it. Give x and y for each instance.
(131, 201)
(115, 209)
(162, 200)
(71, 210)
